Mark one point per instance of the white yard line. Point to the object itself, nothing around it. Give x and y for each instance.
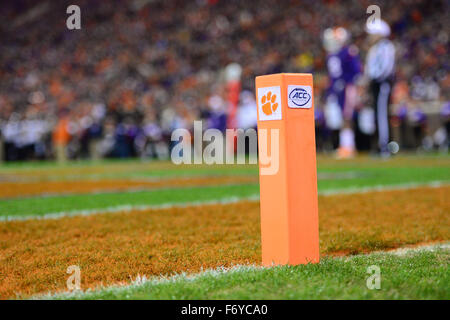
(425, 247)
(381, 188)
(218, 272)
(99, 191)
(225, 200)
(320, 176)
(128, 208)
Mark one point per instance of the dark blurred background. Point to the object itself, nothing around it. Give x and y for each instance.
(139, 69)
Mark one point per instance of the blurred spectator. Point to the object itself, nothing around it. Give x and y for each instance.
(247, 112)
(61, 137)
(442, 135)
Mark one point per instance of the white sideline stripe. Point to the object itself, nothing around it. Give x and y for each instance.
(429, 247)
(320, 175)
(218, 272)
(118, 190)
(128, 208)
(227, 200)
(381, 188)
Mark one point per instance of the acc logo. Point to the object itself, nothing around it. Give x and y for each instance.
(299, 97)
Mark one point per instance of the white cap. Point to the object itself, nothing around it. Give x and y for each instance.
(334, 39)
(378, 27)
(233, 72)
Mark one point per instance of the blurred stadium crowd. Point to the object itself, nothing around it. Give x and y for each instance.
(139, 69)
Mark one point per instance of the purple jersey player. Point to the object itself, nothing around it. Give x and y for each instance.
(344, 67)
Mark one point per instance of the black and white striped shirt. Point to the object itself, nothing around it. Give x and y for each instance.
(380, 61)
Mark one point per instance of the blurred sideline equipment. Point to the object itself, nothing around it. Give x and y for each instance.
(288, 197)
(1, 147)
(380, 70)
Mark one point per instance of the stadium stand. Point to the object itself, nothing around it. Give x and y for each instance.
(139, 69)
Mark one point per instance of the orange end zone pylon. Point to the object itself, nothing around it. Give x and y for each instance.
(288, 189)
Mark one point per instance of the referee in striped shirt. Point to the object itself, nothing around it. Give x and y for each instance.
(380, 67)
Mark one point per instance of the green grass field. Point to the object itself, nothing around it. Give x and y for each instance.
(418, 274)
(336, 176)
(414, 275)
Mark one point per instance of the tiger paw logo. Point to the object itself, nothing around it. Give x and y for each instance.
(269, 105)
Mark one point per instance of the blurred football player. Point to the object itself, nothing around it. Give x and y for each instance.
(379, 69)
(344, 68)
